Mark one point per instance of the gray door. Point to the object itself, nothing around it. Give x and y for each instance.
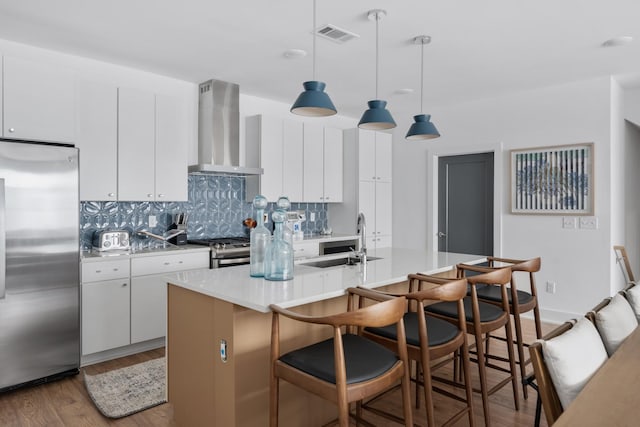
(465, 204)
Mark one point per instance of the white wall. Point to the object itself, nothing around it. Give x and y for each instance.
(618, 184)
(578, 261)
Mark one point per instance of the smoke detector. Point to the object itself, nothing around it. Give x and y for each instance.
(335, 34)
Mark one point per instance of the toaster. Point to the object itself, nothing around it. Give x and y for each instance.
(111, 240)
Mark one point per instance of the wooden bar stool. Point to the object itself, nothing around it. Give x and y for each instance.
(430, 339)
(348, 367)
(483, 318)
(520, 301)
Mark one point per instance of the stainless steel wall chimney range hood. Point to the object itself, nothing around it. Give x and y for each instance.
(219, 131)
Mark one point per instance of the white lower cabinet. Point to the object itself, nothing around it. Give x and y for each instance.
(124, 302)
(148, 308)
(105, 305)
(149, 291)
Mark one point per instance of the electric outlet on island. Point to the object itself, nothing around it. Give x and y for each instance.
(312, 216)
(551, 287)
(153, 221)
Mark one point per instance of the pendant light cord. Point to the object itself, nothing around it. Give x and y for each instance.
(313, 31)
(377, 49)
(421, 78)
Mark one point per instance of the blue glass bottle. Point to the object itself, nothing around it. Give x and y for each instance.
(278, 260)
(260, 237)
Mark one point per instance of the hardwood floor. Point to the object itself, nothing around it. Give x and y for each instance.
(66, 402)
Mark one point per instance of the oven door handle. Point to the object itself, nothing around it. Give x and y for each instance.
(233, 261)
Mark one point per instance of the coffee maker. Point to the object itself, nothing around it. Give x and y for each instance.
(179, 223)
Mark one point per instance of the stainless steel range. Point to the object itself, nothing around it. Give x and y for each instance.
(226, 251)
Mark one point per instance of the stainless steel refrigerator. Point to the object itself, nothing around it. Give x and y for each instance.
(39, 263)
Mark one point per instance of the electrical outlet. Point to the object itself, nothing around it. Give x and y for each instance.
(568, 222)
(551, 287)
(153, 221)
(312, 216)
(589, 222)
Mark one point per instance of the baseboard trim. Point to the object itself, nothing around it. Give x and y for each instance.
(103, 356)
(553, 316)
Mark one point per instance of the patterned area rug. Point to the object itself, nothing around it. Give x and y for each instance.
(126, 391)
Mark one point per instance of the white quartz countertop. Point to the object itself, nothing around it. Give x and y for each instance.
(311, 284)
(95, 255)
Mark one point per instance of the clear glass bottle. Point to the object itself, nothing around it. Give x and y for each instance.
(287, 233)
(260, 238)
(278, 261)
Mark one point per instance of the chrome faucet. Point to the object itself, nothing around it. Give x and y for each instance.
(361, 229)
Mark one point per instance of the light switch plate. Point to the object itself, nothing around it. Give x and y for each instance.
(568, 222)
(589, 222)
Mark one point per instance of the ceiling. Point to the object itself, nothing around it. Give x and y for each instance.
(480, 49)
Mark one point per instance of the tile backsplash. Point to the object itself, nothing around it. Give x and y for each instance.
(216, 208)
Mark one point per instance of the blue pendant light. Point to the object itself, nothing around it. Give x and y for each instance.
(314, 101)
(377, 117)
(422, 129)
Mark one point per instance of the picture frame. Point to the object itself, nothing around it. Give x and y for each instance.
(554, 180)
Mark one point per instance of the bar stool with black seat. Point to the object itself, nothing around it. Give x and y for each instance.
(483, 318)
(520, 301)
(348, 367)
(431, 339)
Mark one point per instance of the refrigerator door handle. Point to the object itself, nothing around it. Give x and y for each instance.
(3, 248)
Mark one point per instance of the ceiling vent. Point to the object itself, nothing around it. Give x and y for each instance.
(333, 33)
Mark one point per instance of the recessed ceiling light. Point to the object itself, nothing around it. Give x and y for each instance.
(618, 41)
(295, 53)
(404, 91)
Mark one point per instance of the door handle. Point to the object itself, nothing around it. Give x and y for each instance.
(441, 234)
(3, 244)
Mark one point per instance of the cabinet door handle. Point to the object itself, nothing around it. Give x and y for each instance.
(179, 262)
(98, 271)
(12, 130)
(124, 285)
(111, 194)
(167, 263)
(160, 195)
(327, 198)
(115, 269)
(149, 195)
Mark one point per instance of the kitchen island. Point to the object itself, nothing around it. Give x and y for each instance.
(219, 330)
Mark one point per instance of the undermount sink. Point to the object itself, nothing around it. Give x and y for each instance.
(338, 261)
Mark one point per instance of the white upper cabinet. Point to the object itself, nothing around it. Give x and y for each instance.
(323, 160)
(333, 163)
(38, 101)
(97, 139)
(374, 156)
(313, 179)
(383, 156)
(171, 150)
(152, 149)
(136, 145)
(264, 144)
(292, 155)
(302, 161)
(366, 155)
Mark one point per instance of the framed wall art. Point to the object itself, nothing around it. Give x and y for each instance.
(552, 180)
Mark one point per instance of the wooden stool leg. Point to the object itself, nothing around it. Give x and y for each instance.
(466, 367)
(482, 370)
(273, 402)
(521, 356)
(512, 364)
